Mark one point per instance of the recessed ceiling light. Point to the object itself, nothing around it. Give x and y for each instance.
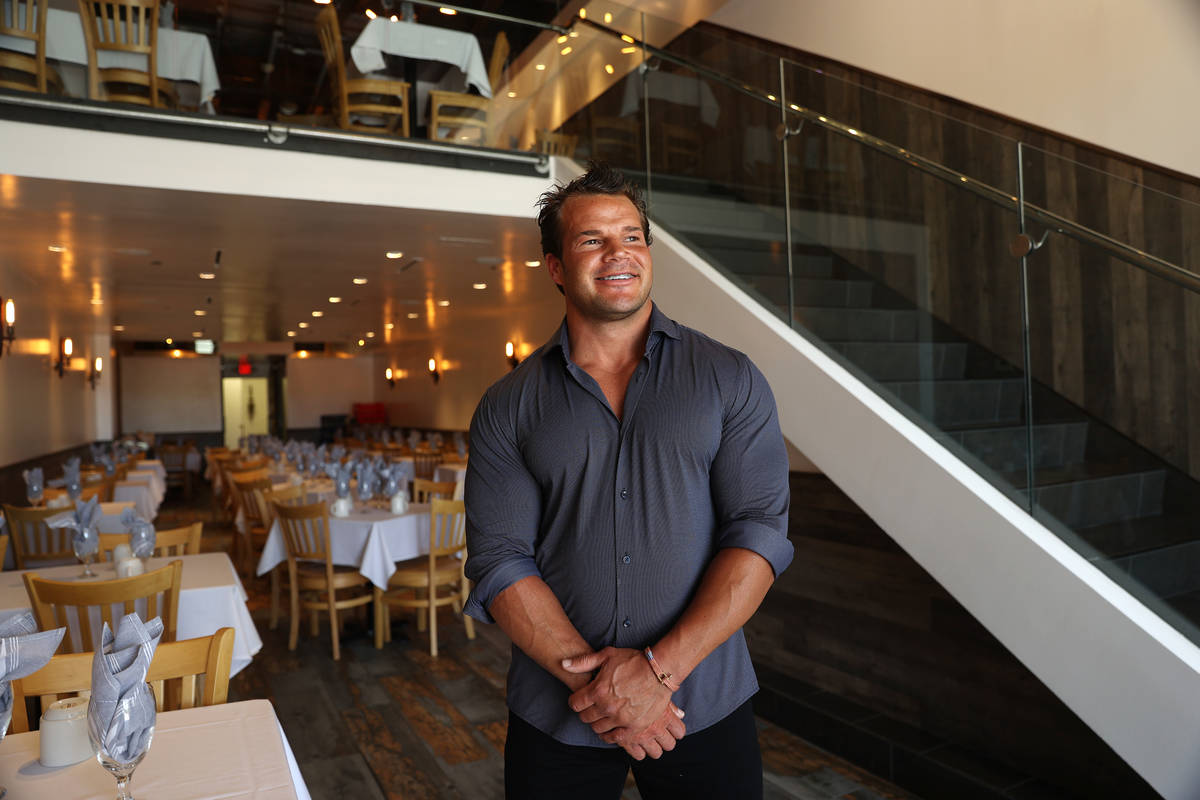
(359, 281)
(361, 342)
(413, 315)
(443, 302)
(197, 334)
(169, 340)
(566, 51)
(512, 94)
(318, 313)
(371, 14)
(388, 326)
(335, 299)
(625, 37)
(119, 328)
(302, 325)
(199, 312)
(628, 50)
(540, 67)
(609, 69)
(394, 254)
(607, 18)
(96, 301)
(370, 334)
(394, 18)
(533, 263)
(291, 333)
(207, 276)
(562, 39)
(450, 12)
(478, 285)
(56, 248)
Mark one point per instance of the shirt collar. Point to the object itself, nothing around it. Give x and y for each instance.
(660, 324)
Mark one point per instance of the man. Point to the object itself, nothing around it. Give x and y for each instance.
(626, 513)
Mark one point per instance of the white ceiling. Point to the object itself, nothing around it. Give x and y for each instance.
(139, 252)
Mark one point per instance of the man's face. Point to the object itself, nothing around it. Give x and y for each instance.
(605, 270)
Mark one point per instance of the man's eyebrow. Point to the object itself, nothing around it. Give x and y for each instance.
(598, 232)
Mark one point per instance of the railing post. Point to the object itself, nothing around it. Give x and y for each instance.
(787, 195)
(1025, 347)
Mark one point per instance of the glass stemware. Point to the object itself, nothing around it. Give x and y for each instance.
(86, 543)
(125, 742)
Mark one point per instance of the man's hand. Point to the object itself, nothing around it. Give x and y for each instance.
(625, 704)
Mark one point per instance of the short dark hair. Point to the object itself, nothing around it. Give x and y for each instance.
(600, 178)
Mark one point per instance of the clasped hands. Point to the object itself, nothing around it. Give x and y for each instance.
(625, 704)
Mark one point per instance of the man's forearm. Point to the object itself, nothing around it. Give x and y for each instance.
(535, 621)
(731, 590)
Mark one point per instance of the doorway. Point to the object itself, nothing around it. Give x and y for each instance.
(246, 408)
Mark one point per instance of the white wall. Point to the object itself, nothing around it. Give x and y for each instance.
(1119, 74)
(317, 386)
(170, 395)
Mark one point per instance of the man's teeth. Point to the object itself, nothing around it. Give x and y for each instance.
(621, 277)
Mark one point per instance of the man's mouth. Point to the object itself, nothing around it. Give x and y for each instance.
(620, 276)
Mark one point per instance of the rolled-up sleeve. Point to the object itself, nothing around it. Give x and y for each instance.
(503, 509)
(749, 477)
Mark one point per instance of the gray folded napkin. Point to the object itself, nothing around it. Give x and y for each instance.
(390, 481)
(34, 484)
(141, 533)
(461, 447)
(341, 480)
(23, 651)
(121, 713)
(414, 439)
(71, 478)
(337, 452)
(106, 461)
(366, 480)
(405, 470)
(83, 521)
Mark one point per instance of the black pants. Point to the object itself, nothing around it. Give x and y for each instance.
(721, 761)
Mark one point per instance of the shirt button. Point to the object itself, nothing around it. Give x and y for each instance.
(625, 559)
(626, 622)
(624, 494)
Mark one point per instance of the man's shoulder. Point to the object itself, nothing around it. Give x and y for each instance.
(525, 375)
(699, 345)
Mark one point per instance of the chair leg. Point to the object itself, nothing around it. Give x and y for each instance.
(334, 626)
(379, 605)
(314, 626)
(432, 624)
(294, 628)
(274, 598)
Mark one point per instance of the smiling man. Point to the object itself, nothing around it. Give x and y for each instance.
(627, 503)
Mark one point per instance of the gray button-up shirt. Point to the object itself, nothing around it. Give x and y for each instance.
(621, 517)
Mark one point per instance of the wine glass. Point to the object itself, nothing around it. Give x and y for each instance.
(124, 743)
(6, 700)
(86, 543)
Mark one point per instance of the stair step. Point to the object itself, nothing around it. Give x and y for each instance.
(906, 361)
(833, 293)
(1099, 501)
(859, 324)
(1003, 449)
(963, 404)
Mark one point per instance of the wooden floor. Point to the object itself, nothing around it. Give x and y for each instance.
(398, 724)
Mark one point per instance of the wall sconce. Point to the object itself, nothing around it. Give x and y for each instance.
(391, 380)
(433, 371)
(510, 352)
(97, 368)
(9, 331)
(65, 348)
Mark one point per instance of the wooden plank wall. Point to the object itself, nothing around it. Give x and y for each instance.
(1119, 342)
(856, 616)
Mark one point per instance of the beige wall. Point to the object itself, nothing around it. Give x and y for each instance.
(169, 395)
(317, 386)
(1117, 74)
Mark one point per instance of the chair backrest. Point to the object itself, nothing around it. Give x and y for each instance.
(32, 541)
(53, 600)
(556, 144)
(426, 490)
(184, 541)
(458, 117)
(305, 531)
(265, 499)
(122, 26)
(26, 19)
(200, 666)
(447, 527)
(329, 32)
(244, 486)
(425, 463)
(3, 549)
(173, 457)
(497, 61)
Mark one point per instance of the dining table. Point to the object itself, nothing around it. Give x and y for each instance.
(211, 597)
(670, 87)
(231, 750)
(371, 539)
(182, 56)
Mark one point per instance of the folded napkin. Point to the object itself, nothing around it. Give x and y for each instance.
(71, 478)
(337, 452)
(341, 480)
(436, 440)
(414, 439)
(23, 651)
(461, 447)
(391, 480)
(404, 470)
(366, 480)
(121, 713)
(83, 521)
(141, 533)
(34, 484)
(106, 461)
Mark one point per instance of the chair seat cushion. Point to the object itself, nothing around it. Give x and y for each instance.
(415, 571)
(311, 575)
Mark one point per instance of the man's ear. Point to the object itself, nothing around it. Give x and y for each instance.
(554, 266)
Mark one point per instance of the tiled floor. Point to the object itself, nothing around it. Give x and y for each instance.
(396, 723)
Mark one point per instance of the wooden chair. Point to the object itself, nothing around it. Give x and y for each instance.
(3, 549)
(171, 543)
(556, 144)
(198, 670)
(52, 600)
(426, 490)
(265, 499)
(26, 19)
(424, 463)
(174, 459)
(32, 541)
(312, 573)
(125, 26)
(378, 105)
(458, 117)
(243, 486)
(442, 567)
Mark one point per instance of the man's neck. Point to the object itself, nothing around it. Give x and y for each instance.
(608, 344)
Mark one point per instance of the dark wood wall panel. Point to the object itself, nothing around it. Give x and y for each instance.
(856, 616)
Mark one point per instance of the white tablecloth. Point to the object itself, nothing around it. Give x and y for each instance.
(142, 496)
(158, 483)
(211, 597)
(445, 473)
(685, 90)
(235, 750)
(156, 466)
(182, 56)
(110, 516)
(423, 42)
(372, 540)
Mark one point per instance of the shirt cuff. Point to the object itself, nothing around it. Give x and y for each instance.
(759, 537)
(493, 583)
